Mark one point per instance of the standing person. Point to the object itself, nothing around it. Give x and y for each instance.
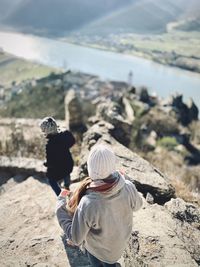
(99, 213)
(59, 161)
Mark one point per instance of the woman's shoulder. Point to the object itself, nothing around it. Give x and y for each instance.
(89, 200)
(130, 185)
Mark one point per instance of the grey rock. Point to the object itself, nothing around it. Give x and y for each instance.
(160, 122)
(158, 240)
(146, 177)
(128, 109)
(149, 198)
(144, 95)
(23, 166)
(113, 113)
(185, 113)
(185, 212)
(73, 112)
(193, 110)
(187, 217)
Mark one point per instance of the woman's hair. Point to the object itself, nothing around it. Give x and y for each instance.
(78, 194)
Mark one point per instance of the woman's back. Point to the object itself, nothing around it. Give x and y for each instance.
(109, 217)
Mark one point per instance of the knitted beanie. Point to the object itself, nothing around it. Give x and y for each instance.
(101, 162)
(49, 126)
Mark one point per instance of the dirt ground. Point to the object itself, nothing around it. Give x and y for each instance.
(29, 232)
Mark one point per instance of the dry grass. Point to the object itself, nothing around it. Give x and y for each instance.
(185, 179)
(183, 191)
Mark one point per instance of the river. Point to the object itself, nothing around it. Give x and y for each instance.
(163, 80)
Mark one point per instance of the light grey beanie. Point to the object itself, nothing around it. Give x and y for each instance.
(101, 162)
(49, 126)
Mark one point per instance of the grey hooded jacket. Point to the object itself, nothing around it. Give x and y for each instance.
(102, 221)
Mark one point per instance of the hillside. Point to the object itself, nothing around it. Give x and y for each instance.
(165, 231)
(47, 97)
(61, 17)
(187, 25)
(147, 16)
(15, 70)
(56, 17)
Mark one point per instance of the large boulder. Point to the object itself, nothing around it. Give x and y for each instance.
(159, 121)
(144, 95)
(128, 110)
(27, 166)
(113, 113)
(185, 113)
(193, 110)
(73, 112)
(187, 218)
(164, 236)
(145, 176)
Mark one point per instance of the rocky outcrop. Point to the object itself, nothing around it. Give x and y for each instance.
(113, 113)
(144, 95)
(194, 157)
(187, 217)
(185, 113)
(166, 231)
(22, 166)
(146, 177)
(164, 236)
(193, 110)
(73, 112)
(25, 167)
(128, 110)
(160, 122)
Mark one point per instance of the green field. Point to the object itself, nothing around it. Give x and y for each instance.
(13, 69)
(176, 48)
(183, 43)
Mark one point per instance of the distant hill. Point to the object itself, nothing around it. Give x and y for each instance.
(6, 7)
(146, 16)
(192, 10)
(60, 15)
(188, 25)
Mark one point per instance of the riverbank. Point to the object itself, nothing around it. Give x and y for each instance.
(163, 80)
(171, 49)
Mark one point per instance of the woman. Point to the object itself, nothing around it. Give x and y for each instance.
(59, 160)
(99, 214)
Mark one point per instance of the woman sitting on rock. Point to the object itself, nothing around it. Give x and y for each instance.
(99, 213)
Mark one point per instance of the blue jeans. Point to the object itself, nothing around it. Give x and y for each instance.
(97, 263)
(56, 186)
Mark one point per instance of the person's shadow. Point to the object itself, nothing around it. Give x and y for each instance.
(75, 256)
